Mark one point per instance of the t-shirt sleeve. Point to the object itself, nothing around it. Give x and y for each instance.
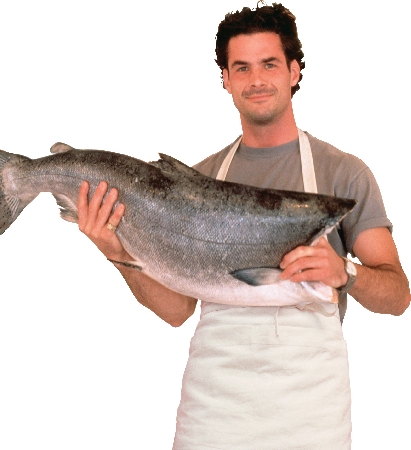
(369, 212)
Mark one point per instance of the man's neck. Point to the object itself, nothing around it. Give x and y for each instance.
(271, 135)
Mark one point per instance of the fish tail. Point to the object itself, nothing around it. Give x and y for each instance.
(10, 206)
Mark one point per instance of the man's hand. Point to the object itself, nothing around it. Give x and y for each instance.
(94, 217)
(381, 284)
(314, 263)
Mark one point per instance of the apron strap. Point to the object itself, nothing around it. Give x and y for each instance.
(222, 173)
(307, 163)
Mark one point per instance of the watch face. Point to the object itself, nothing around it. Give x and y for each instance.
(351, 269)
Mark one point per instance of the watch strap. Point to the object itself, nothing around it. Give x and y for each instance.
(352, 277)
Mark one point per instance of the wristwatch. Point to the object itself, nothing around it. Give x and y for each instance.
(351, 271)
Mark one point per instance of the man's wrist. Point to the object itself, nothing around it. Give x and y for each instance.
(351, 275)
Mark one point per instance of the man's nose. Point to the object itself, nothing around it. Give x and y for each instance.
(257, 77)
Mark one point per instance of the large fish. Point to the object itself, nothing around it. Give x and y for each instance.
(213, 240)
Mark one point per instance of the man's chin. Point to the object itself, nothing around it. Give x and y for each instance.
(260, 119)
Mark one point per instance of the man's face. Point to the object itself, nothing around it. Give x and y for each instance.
(258, 77)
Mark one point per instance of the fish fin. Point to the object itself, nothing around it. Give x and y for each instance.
(10, 206)
(168, 164)
(68, 210)
(59, 147)
(130, 264)
(258, 276)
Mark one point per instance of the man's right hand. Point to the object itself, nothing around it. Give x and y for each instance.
(94, 216)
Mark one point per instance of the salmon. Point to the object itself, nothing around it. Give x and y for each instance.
(213, 240)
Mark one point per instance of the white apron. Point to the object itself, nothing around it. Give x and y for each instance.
(266, 378)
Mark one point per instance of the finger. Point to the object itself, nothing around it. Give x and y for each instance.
(106, 208)
(96, 201)
(82, 204)
(294, 255)
(319, 249)
(307, 275)
(299, 265)
(118, 213)
(322, 242)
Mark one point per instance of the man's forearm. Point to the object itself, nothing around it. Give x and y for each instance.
(94, 218)
(172, 307)
(383, 289)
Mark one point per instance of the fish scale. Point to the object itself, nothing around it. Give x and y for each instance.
(214, 240)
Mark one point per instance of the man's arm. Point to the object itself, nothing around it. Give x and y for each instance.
(381, 284)
(170, 306)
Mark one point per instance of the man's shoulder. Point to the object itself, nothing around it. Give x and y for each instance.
(212, 163)
(332, 155)
(325, 156)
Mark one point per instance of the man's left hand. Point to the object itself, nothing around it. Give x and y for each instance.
(319, 262)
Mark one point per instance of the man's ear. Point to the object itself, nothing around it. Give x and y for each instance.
(226, 81)
(295, 72)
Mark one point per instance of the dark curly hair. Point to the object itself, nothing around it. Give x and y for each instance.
(275, 18)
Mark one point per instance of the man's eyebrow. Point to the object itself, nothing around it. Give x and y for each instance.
(264, 61)
(271, 59)
(239, 63)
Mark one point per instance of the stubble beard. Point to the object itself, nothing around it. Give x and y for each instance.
(261, 118)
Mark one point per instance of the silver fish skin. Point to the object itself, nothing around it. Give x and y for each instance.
(217, 241)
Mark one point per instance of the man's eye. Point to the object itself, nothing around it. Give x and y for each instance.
(269, 65)
(242, 69)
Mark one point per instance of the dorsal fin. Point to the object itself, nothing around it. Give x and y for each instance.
(59, 147)
(168, 164)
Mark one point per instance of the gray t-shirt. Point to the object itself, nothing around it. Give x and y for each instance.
(337, 173)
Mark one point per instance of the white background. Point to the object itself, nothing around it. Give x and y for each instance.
(82, 364)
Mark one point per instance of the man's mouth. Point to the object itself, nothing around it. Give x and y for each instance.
(257, 95)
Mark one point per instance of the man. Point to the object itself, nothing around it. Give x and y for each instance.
(270, 377)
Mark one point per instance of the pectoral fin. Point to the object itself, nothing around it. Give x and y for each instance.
(68, 209)
(129, 264)
(258, 276)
